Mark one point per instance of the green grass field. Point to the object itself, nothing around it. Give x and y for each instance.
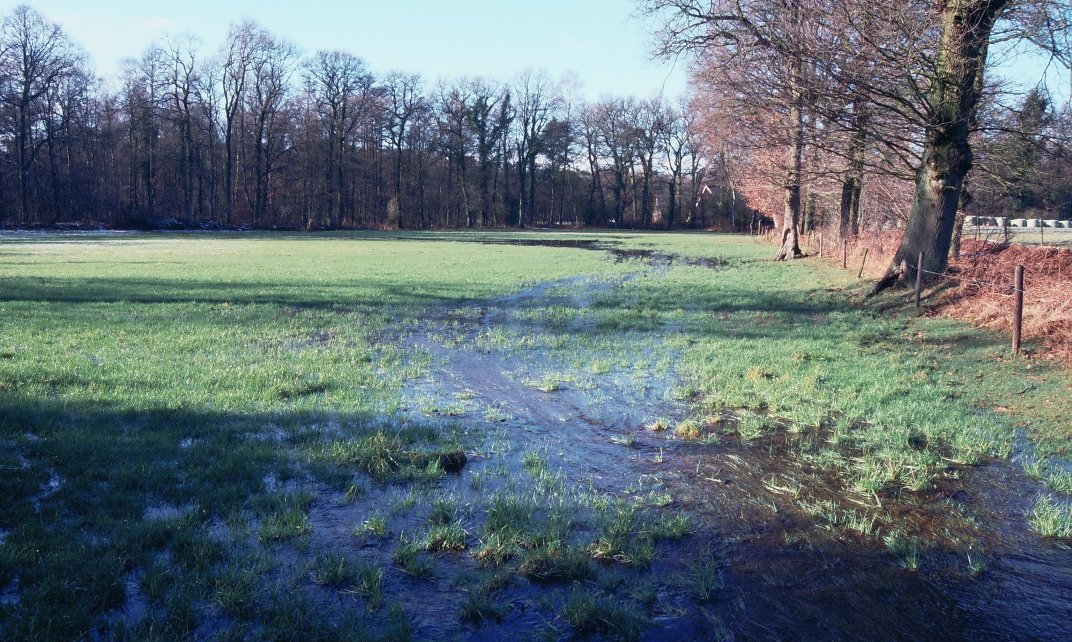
(257, 436)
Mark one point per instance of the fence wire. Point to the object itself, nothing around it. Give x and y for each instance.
(997, 287)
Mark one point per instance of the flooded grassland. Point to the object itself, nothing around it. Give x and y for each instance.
(464, 436)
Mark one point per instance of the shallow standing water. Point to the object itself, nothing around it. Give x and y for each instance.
(783, 577)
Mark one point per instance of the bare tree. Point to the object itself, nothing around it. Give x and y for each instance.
(649, 122)
(536, 101)
(35, 55)
(236, 62)
(404, 102)
(486, 118)
(182, 83)
(593, 144)
(272, 63)
(676, 131)
(616, 130)
(454, 105)
(756, 51)
(144, 80)
(342, 89)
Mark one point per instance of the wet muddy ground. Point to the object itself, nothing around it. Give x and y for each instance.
(571, 430)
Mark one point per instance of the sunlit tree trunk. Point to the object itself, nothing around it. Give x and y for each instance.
(947, 155)
(790, 247)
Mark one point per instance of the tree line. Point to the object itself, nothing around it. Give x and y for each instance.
(255, 134)
(824, 105)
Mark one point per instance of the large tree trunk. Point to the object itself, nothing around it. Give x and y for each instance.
(790, 247)
(947, 156)
(851, 189)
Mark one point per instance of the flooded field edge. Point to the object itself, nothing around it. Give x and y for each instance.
(969, 565)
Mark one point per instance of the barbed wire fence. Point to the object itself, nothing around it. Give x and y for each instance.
(1058, 300)
(1055, 299)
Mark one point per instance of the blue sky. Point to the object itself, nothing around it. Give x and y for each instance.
(598, 41)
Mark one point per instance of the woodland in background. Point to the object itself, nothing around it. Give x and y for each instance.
(256, 134)
(817, 108)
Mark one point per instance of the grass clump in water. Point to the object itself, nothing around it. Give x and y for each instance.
(547, 383)
(408, 556)
(512, 524)
(688, 429)
(446, 537)
(446, 532)
(374, 526)
(480, 603)
(667, 525)
(385, 456)
(592, 612)
(284, 516)
(625, 537)
(1050, 518)
(705, 575)
(556, 563)
(444, 511)
(287, 525)
(905, 548)
(343, 574)
(659, 425)
(335, 571)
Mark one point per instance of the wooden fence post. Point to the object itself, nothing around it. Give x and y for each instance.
(1018, 310)
(820, 245)
(862, 263)
(845, 253)
(919, 278)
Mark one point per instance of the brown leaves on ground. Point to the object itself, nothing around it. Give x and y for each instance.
(985, 271)
(980, 289)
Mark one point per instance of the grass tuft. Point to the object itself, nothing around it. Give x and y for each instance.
(480, 606)
(688, 429)
(286, 525)
(592, 612)
(905, 548)
(1050, 518)
(659, 425)
(407, 556)
(556, 564)
(446, 537)
(625, 537)
(705, 575)
(374, 526)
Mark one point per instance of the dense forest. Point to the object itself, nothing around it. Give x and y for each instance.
(253, 133)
